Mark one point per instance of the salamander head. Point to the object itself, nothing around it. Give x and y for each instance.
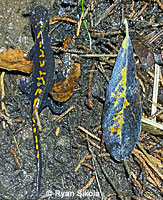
(40, 19)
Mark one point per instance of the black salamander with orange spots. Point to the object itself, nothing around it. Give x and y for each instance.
(42, 79)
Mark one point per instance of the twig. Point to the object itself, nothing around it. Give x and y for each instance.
(141, 11)
(150, 162)
(54, 20)
(2, 96)
(86, 157)
(141, 83)
(135, 179)
(91, 142)
(102, 70)
(90, 98)
(89, 133)
(155, 89)
(65, 113)
(16, 143)
(99, 55)
(79, 25)
(152, 123)
(16, 158)
(145, 163)
(57, 131)
(152, 75)
(156, 36)
(87, 165)
(106, 13)
(110, 180)
(38, 120)
(6, 118)
(96, 175)
(86, 186)
(159, 3)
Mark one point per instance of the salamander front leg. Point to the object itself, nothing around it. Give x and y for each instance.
(25, 87)
(31, 53)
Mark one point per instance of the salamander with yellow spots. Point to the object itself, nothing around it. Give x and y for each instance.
(42, 78)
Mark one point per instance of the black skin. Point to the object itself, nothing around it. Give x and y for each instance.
(43, 78)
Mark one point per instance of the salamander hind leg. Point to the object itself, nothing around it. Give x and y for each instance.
(53, 107)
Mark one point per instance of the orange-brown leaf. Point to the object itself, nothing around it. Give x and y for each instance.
(62, 91)
(14, 60)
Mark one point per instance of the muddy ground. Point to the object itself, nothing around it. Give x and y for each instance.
(62, 153)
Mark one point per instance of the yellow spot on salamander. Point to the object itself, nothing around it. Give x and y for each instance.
(42, 79)
(42, 53)
(42, 73)
(38, 91)
(34, 130)
(36, 146)
(40, 44)
(39, 33)
(38, 155)
(42, 63)
(36, 139)
(38, 84)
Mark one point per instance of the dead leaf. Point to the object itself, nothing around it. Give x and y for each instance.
(14, 60)
(62, 91)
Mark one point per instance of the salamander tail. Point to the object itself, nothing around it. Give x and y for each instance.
(38, 155)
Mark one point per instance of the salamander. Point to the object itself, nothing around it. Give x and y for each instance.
(42, 79)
